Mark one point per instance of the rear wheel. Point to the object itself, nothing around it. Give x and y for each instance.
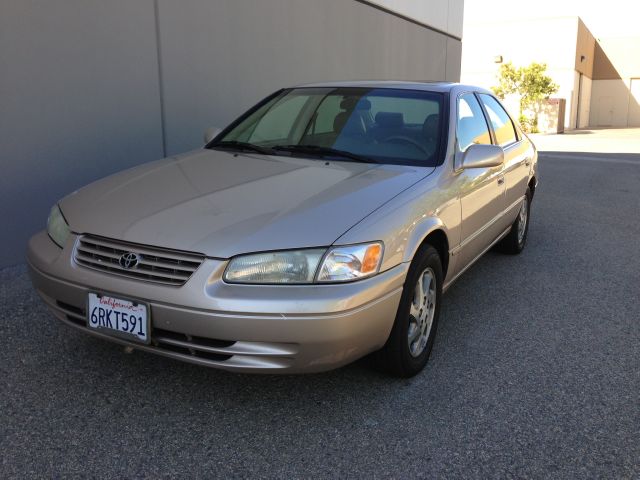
(411, 339)
(516, 239)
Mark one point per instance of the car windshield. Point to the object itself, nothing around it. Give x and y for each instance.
(377, 125)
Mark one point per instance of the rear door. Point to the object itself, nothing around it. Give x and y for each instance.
(517, 157)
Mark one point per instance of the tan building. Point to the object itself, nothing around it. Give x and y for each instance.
(598, 78)
(615, 95)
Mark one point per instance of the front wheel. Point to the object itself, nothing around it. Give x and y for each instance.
(411, 339)
(516, 239)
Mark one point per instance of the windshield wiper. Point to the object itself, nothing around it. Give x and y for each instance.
(322, 152)
(235, 145)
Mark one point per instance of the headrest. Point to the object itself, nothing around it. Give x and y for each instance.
(355, 103)
(389, 119)
(431, 126)
(349, 124)
(466, 124)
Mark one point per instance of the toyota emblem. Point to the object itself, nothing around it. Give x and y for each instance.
(129, 260)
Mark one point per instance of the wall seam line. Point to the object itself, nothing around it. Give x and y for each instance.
(446, 48)
(160, 78)
(409, 19)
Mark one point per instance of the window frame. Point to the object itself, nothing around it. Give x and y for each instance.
(488, 120)
(292, 128)
(445, 99)
(244, 116)
(484, 114)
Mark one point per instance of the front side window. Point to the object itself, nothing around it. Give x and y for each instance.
(377, 124)
(472, 126)
(500, 121)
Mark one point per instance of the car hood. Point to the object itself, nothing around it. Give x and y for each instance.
(222, 204)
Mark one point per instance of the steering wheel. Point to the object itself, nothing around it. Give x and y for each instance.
(409, 140)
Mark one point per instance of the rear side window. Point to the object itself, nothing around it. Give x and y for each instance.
(502, 124)
(472, 126)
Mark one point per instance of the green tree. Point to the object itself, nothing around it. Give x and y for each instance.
(530, 83)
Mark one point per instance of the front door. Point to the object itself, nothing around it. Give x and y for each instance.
(482, 189)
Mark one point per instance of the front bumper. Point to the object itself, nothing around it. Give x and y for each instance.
(250, 328)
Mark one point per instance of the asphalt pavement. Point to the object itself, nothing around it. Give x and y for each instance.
(535, 373)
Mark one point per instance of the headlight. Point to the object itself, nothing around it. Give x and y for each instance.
(57, 227)
(343, 264)
(340, 264)
(295, 266)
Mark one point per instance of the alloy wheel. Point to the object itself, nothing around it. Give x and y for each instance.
(522, 219)
(422, 312)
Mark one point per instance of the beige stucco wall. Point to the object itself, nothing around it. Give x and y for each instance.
(585, 45)
(615, 103)
(624, 55)
(550, 40)
(615, 94)
(559, 42)
(585, 103)
(564, 44)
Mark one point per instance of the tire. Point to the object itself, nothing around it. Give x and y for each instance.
(516, 239)
(400, 356)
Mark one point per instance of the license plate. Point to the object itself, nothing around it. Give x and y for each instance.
(118, 317)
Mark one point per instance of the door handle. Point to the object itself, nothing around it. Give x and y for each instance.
(527, 161)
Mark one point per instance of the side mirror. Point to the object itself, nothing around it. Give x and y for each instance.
(482, 156)
(211, 133)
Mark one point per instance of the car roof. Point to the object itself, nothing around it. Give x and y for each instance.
(401, 85)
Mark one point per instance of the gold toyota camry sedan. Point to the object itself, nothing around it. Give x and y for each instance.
(321, 226)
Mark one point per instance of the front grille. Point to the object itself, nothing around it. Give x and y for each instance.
(158, 265)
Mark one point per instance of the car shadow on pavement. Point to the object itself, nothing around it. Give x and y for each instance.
(631, 157)
(64, 362)
(90, 368)
(533, 374)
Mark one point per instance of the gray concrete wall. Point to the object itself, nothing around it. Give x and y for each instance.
(219, 57)
(78, 100)
(90, 87)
